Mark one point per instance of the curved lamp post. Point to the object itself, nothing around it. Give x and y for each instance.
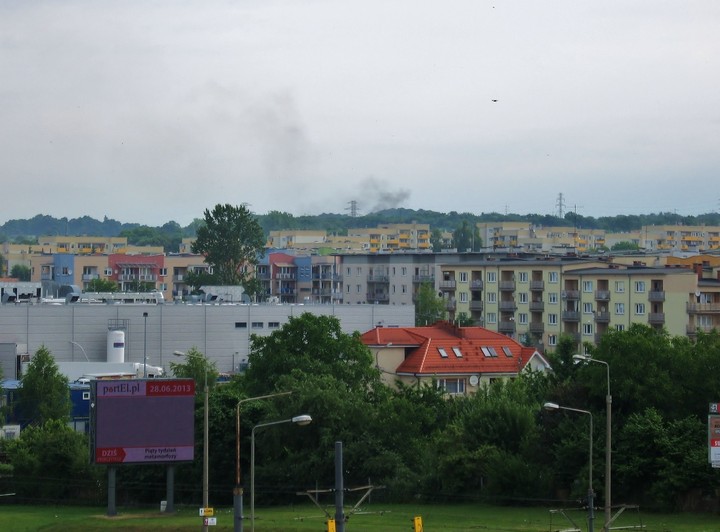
(238, 491)
(555, 406)
(608, 436)
(206, 436)
(81, 349)
(298, 420)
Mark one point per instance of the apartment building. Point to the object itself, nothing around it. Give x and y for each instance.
(537, 301)
(388, 238)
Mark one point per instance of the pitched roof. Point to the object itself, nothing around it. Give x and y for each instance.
(443, 348)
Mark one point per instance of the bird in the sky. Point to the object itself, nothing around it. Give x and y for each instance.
(493, 100)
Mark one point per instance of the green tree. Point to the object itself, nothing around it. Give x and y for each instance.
(625, 246)
(21, 272)
(102, 285)
(196, 366)
(44, 393)
(50, 463)
(467, 237)
(463, 320)
(429, 308)
(230, 239)
(306, 345)
(436, 240)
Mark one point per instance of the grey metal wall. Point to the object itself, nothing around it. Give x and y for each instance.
(214, 329)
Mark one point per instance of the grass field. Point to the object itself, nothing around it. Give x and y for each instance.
(371, 518)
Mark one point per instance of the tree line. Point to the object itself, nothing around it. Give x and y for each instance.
(170, 234)
(421, 444)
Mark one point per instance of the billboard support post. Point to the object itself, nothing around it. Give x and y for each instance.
(111, 509)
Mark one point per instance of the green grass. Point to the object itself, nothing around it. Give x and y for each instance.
(375, 517)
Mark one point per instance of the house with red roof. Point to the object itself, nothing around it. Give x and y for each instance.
(458, 359)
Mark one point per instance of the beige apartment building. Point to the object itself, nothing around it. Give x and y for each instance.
(537, 301)
(388, 238)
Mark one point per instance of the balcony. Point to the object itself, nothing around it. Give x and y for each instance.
(506, 326)
(424, 278)
(90, 276)
(570, 295)
(378, 297)
(127, 277)
(656, 296)
(506, 286)
(703, 308)
(537, 327)
(537, 306)
(571, 315)
(476, 284)
(602, 295)
(507, 306)
(537, 286)
(447, 285)
(378, 279)
(477, 305)
(286, 276)
(656, 318)
(602, 317)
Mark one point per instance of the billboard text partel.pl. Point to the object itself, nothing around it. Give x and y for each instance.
(138, 421)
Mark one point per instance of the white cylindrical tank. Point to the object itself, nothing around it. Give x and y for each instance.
(116, 346)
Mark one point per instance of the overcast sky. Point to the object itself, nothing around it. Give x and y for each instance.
(151, 111)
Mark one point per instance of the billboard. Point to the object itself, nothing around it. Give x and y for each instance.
(139, 421)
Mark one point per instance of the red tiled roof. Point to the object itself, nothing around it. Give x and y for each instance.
(423, 344)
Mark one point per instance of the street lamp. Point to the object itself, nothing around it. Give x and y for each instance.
(608, 441)
(206, 439)
(590, 501)
(298, 420)
(81, 349)
(238, 491)
(145, 316)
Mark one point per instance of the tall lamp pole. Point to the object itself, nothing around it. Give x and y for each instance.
(206, 437)
(591, 502)
(298, 420)
(238, 491)
(608, 441)
(145, 316)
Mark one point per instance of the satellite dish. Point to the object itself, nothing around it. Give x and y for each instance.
(474, 380)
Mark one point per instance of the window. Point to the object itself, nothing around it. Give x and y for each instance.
(640, 286)
(108, 271)
(86, 396)
(553, 277)
(403, 270)
(523, 297)
(523, 277)
(463, 277)
(442, 352)
(587, 329)
(619, 327)
(620, 308)
(507, 351)
(457, 352)
(257, 325)
(587, 308)
(359, 288)
(522, 318)
(491, 277)
(348, 271)
(452, 386)
(492, 297)
(553, 298)
(639, 309)
(359, 271)
(553, 319)
(491, 317)
(163, 271)
(463, 297)
(241, 325)
(587, 286)
(347, 289)
(619, 287)
(404, 289)
(273, 325)
(489, 352)
(552, 339)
